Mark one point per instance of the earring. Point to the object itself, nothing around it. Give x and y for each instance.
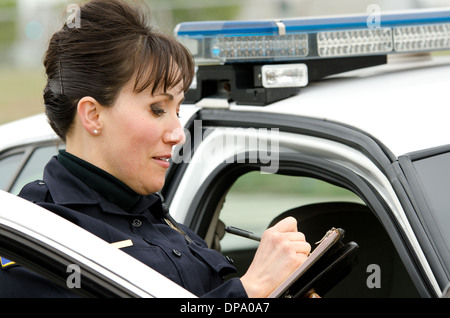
(95, 132)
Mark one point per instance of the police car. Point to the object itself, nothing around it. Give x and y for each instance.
(334, 120)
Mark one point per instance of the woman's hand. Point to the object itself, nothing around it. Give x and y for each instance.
(282, 249)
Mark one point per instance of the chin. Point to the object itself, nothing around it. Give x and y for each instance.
(147, 189)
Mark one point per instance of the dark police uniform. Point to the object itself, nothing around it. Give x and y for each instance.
(104, 206)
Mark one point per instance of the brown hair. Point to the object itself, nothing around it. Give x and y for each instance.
(113, 44)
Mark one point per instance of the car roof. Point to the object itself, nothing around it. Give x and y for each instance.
(403, 103)
(24, 131)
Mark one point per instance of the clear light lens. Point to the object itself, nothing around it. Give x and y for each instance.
(422, 37)
(354, 42)
(284, 75)
(260, 47)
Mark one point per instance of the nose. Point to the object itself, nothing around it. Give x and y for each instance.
(175, 135)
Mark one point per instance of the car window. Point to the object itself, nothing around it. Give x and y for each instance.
(8, 168)
(256, 201)
(262, 197)
(34, 167)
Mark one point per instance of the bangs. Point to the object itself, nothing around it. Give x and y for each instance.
(162, 63)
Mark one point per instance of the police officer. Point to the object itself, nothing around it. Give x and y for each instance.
(117, 214)
(113, 93)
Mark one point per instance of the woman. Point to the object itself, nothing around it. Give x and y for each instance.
(113, 94)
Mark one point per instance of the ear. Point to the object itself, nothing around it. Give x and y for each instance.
(89, 112)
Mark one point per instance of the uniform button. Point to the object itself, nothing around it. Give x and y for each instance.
(176, 252)
(136, 223)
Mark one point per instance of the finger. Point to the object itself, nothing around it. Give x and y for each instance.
(288, 224)
(302, 247)
(294, 236)
(311, 294)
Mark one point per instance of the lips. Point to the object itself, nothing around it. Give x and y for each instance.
(163, 161)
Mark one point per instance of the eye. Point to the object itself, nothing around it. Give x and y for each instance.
(157, 109)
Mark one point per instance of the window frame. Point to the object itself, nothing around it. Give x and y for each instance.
(207, 197)
(28, 150)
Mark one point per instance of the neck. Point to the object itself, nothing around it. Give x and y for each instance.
(111, 188)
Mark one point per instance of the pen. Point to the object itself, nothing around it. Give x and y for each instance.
(243, 233)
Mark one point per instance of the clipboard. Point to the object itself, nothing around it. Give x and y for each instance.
(328, 264)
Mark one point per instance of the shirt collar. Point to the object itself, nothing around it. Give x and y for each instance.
(111, 188)
(67, 189)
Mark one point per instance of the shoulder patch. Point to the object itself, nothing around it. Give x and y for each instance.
(5, 263)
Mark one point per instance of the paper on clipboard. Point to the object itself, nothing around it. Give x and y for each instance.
(330, 238)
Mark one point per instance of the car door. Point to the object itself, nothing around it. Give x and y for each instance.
(427, 177)
(249, 169)
(71, 257)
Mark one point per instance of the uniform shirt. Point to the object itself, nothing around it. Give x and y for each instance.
(185, 259)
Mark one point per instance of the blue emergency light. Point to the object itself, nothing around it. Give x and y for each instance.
(252, 52)
(308, 38)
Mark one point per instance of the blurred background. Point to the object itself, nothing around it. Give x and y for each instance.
(26, 26)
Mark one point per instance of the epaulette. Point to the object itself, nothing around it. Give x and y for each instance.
(6, 263)
(35, 191)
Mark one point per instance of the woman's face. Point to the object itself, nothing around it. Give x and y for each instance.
(140, 130)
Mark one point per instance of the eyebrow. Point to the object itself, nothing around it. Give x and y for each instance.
(171, 97)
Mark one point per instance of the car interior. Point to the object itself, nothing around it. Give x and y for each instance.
(314, 219)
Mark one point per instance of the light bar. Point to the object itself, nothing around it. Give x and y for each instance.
(260, 47)
(354, 42)
(284, 75)
(290, 40)
(422, 37)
